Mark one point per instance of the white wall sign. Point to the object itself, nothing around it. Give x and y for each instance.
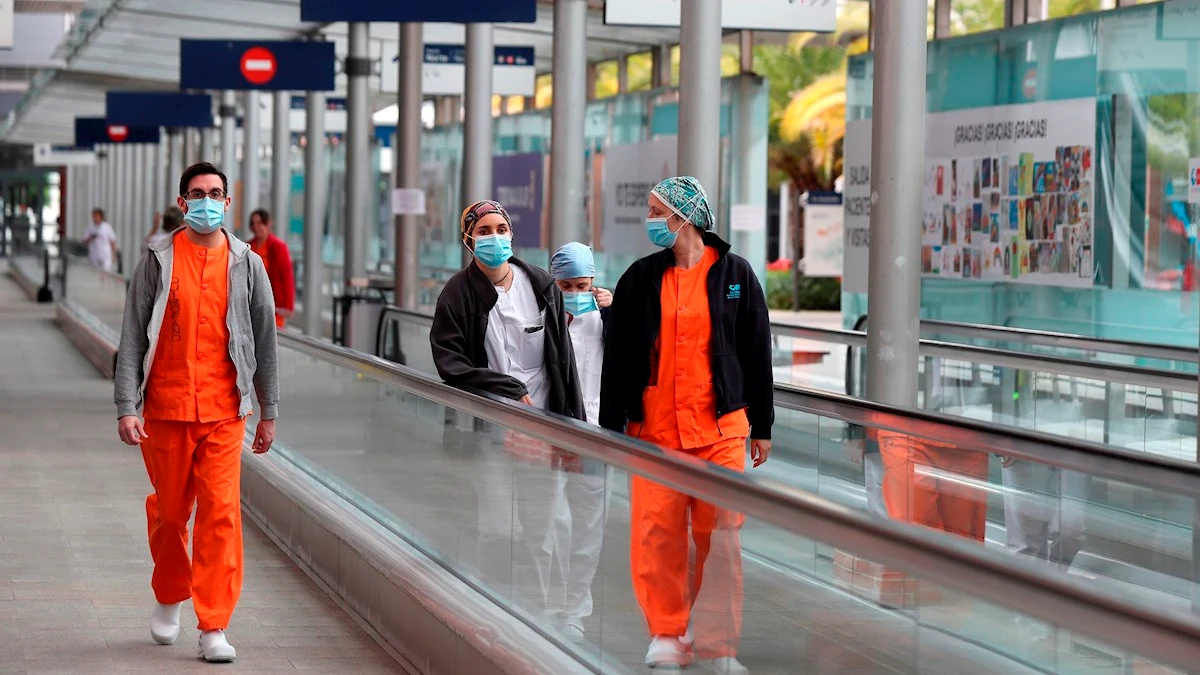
(408, 202)
(630, 172)
(1007, 197)
(767, 15)
(747, 218)
(856, 222)
(444, 72)
(6, 24)
(823, 243)
(45, 154)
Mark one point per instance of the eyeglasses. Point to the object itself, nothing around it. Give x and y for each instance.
(217, 194)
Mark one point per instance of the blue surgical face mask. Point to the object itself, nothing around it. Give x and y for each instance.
(660, 234)
(205, 215)
(578, 304)
(493, 250)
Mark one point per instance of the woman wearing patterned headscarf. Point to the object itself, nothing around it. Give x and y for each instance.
(688, 367)
(500, 328)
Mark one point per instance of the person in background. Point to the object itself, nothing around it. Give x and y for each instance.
(101, 241)
(582, 529)
(500, 328)
(164, 223)
(278, 259)
(688, 367)
(198, 336)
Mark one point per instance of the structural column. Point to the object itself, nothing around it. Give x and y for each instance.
(174, 162)
(228, 114)
(941, 19)
(700, 93)
(251, 128)
(897, 167)
(358, 168)
(477, 125)
(281, 164)
(408, 161)
(568, 221)
(206, 146)
(314, 211)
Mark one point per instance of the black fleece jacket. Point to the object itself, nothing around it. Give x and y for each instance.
(740, 347)
(460, 325)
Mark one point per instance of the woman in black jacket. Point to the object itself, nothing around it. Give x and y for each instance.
(688, 367)
(500, 329)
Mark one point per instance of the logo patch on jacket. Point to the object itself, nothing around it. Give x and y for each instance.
(735, 292)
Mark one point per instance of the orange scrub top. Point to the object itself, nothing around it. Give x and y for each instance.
(193, 378)
(681, 406)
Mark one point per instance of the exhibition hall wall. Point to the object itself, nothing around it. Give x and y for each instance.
(1061, 176)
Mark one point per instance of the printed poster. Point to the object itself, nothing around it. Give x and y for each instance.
(1008, 194)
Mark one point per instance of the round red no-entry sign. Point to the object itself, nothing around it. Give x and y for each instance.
(258, 65)
(117, 133)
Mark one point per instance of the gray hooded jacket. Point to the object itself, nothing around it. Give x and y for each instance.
(250, 318)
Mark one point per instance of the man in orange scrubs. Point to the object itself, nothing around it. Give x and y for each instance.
(688, 367)
(198, 335)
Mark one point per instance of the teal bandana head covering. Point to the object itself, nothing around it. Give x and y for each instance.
(686, 197)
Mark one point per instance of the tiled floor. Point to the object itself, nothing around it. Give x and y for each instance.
(74, 565)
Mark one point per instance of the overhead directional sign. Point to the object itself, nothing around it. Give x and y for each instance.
(45, 154)
(765, 15)
(444, 72)
(273, 65)
(90, 131)
(159, 109)
(448, 11)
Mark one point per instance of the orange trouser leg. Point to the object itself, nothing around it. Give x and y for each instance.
(716, 579)
(167, 452)
(217, 545)
(659, 555)
(963, 507)
(911, 495)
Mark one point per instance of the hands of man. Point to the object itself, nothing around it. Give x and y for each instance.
(527, 400)
(760, 451)
(604, 297)
(264, 436)
(131, 431)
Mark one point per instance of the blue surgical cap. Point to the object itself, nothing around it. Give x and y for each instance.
(686, 197)
(572, 261)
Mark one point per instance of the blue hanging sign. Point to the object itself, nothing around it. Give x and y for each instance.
(446, 11)
(272, 65)
(91, 131)
(159, 109)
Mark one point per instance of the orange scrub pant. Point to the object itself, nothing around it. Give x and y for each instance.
(667, 585)
(196, 462)
(915, 492)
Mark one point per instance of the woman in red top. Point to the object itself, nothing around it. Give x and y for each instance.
(278, 261)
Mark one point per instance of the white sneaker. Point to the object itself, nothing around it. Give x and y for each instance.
(214, 648)
(164, 623)
(727, 665)
(668, 653)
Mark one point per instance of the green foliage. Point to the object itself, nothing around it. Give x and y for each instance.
(815, 294)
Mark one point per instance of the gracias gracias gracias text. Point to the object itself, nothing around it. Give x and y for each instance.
(1000, 131)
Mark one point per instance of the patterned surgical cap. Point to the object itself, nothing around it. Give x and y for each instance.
(686, 197)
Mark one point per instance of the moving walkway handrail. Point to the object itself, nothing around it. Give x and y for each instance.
(1063, 452)
(1145, 469)
(1146, 350)
(1154, 378)
(1172, 637)
(1055, 365)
